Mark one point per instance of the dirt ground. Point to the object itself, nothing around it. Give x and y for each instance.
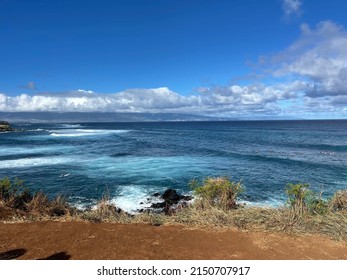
(89, 241)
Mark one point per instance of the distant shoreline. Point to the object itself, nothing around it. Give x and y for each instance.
(106, 117)
(5, 126)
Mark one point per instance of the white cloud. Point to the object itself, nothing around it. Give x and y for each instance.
(292, 7)
(318, 57)
(308, 79)
(231, 99)
(133, 100)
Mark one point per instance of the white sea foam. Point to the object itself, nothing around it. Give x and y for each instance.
(36, 129)
(9, 151)
(271, 203)
(32, 162)
(133, 197)
(71, 125)
(82, 203)
(83, 132)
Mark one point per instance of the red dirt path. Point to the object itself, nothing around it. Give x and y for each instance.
(83, 240)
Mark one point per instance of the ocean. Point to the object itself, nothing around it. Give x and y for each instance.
(132, 161)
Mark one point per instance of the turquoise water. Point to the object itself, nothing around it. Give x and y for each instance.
(131, 161)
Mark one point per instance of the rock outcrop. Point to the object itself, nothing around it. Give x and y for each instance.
(5, 126)
(172, 201)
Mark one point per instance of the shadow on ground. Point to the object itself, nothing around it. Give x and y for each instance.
(58, 256)
(12, 254)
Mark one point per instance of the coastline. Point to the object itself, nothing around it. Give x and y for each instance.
(35, 226)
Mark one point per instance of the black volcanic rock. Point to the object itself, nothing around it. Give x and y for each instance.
(173, 201)
(158, 205)
(171, 196)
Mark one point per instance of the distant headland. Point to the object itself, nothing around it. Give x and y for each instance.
(5, 126)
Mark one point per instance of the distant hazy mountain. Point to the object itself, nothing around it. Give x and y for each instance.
(99, 117)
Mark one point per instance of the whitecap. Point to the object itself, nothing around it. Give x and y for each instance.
(72, 125)
(33, 162)
(84, 132)
(37, 129)
(32, 150)
(269, 203)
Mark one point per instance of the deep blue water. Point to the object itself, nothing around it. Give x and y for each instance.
(134, 160)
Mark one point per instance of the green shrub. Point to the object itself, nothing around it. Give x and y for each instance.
(298, 196)
(317, 205)
(5, 189)
(14, 194)
(302, 200)
(218, 192)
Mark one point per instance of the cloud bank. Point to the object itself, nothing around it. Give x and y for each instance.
(219, 101)
(307, 79)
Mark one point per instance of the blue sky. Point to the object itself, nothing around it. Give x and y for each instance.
(242, 58)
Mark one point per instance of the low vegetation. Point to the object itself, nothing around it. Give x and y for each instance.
(215, 205)
(16, 197)
(217, 192)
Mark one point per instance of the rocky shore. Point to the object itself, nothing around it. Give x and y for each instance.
(5, 126)
(170, 202)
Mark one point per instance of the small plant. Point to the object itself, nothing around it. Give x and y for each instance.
(298, 195)
(219, 192)
(339, 201)
(59, 206)
(104, 211)
(14, 194)
(105, 208)
(317, 205)
(302, 200)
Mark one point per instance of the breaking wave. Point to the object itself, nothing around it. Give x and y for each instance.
(84, 132)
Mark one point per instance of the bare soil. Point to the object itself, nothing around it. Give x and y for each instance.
(88, 241)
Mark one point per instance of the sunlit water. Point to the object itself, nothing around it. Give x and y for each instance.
(131, 161)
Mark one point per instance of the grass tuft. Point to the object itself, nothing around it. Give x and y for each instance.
(215, 206)
(339, 201)
(217, 192)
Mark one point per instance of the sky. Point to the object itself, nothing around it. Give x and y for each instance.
(239, 59)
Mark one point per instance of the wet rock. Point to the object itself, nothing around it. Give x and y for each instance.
(171, 196)
(158, 205)
(172, 202)
(187, 197)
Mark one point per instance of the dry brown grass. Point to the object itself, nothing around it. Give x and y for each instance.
(17, 201)
(40, 207)
(339, 200)
(104, 211)
(203, 212)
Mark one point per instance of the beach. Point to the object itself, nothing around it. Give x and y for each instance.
(90, 241)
